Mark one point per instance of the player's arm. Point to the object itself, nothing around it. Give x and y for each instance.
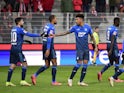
(62, 34)
(123, 52)
(94, 42)
(72, 29)
(92, 38)
(112, 43)
(30, 34)
(27, 41)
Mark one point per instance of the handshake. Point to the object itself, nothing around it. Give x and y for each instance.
(45, 35)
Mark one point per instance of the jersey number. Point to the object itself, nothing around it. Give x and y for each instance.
(108, 35)
(13, 37)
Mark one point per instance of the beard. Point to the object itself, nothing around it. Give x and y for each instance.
(55, 23)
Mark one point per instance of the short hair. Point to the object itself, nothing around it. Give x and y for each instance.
(80, 16)
(51, 17)
(116, 19)
(96, 27)
(18, 19)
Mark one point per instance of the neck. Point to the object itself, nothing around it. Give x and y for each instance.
(18, 25)
(82, 24)
(52, 23)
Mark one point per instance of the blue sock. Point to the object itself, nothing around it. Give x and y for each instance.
(54, 69)
(40, 70)
(10, 71)
(118, 73)
(83, 72)
(76, 67)
(105, 67)
(24, 69)
(116, 68)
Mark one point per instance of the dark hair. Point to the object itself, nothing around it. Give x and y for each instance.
(18, 19)
(116, 19)
(80, 16)
(96, 27)
(51, 17)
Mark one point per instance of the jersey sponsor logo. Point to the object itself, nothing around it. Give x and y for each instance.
(81, 34)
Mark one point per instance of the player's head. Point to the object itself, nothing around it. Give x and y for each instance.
(96, 29)
(52, 19)
(117, 21)
(19, 21)
(79, 19)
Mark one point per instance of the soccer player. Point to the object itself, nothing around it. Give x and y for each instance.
(96, 37)
(121, 70)
(112, 48)
(16, 55)
(49, 54)
(81, 31)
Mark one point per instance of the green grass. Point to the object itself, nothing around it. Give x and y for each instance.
(44, 81)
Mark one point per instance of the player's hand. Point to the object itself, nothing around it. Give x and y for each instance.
(47, 53)
(110, 52)
(52, 35)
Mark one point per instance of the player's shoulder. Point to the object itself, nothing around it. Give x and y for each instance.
(49, 26)
(87, 26)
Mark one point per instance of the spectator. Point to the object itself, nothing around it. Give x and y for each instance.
(37, 5)
(22, 6)
(2, 4)
(77, 5)
(86, 5)
(66, 7)
(112, 4)
(12, 2)
(121, 5)
(100, 5)
(95, 18)
(47, 7)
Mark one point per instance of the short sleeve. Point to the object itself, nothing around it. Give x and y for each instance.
(23, 31)
(90, 30)
(72, 29)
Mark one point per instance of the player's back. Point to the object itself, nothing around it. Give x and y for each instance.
(49, 29)
(112, 30)
(17, 37)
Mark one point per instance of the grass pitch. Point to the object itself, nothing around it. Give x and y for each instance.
(44, 81)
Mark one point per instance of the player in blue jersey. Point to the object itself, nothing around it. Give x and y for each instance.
(49, 54)
(121, 70)
(16, 55)
(81, 31)
(112, 48)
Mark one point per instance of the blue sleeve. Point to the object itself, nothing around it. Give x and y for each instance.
(123, 46)
(72, 29)
(29, 34)
(49, 42)
(32, 35)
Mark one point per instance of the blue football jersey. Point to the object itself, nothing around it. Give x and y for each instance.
(112, 30)
(81, 35)
(123, 46)
(49, 29)
(17, 35)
